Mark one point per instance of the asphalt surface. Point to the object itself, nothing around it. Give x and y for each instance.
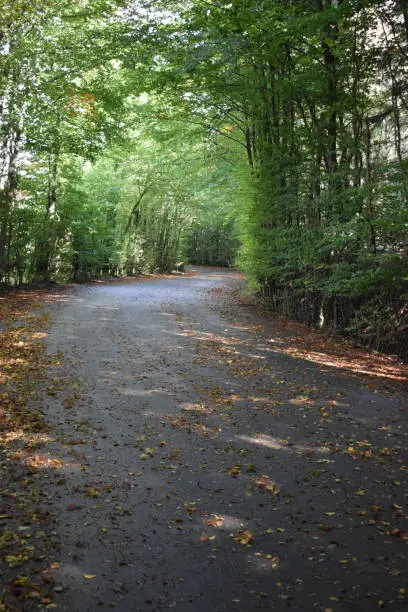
(202, 469)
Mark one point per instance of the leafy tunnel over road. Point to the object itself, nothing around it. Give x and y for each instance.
(204, 456)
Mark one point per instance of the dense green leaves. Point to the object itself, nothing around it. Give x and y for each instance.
(136, 133)
(315, 92)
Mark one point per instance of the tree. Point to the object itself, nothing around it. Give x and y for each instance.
(312, 90)
(278, 124)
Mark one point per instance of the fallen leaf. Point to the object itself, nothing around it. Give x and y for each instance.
(91, 492)
(244, 537)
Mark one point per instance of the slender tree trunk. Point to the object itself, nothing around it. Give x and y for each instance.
(10, 182)
(369, 185)
(45, 244)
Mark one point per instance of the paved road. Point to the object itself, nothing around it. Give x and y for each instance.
(203, 469)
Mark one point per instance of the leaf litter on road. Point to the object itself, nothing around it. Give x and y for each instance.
(324, 483)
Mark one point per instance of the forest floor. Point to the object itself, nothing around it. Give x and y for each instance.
(167, 445)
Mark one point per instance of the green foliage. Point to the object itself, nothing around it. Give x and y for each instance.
(273, 133)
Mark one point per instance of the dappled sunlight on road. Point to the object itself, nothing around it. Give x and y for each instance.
(19, 435)
(301, 401)
(366, 363)
(41, 462)
(24, 450)
(195, 408)
(252, 356)
(209, 337)
(223, 522)
(275, 334)
(138, 392)
(281, 444)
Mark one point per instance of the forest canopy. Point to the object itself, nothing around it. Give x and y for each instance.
(272, 135)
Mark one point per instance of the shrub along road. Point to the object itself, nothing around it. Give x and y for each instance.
(202, 455)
